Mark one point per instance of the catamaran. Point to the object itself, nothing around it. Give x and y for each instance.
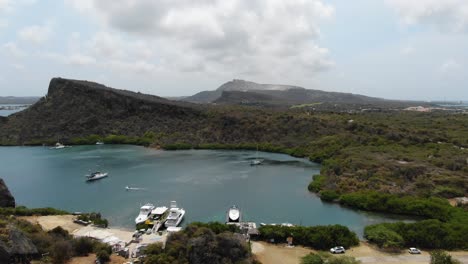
(145, 211)
(175, 215)
(96, 176)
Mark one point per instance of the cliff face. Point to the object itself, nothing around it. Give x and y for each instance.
(6, 199)
(76, 108)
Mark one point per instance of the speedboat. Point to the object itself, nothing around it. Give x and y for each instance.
(175, 215)
(99, 143)
(256, 162)
(58, 145)
(233, 215)
(145, 211)
(96, 176)
(157, 217)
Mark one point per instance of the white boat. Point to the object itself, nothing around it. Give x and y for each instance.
(58, 145)
(256, 161)
(99, 143)
(175, 215)
(145, 211)
(158, 217)
(233, 215)
(96, 176)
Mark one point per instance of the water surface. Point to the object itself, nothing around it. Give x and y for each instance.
(204, 182)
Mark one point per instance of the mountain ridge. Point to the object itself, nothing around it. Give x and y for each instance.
(246, 92)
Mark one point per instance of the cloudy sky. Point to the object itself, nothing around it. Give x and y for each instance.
(395, 49)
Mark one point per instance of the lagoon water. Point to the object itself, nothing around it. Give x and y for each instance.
(204, 182)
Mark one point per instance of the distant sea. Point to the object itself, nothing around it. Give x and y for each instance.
(11, 108)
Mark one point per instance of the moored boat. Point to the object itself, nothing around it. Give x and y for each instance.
(157, 217)
(233, 215)
(145, 211)
(96, 176)
(175, 215)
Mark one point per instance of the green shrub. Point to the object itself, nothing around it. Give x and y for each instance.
(322, 258)
(441, 257)
(61, 252)
(23, 211)
(329, 196)
(383, 237)
(317, 183)
(103, 256)
(319, 237)
(83, 246)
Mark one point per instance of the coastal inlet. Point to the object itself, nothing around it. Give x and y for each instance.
(204, 182)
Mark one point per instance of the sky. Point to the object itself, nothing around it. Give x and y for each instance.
(395, 49)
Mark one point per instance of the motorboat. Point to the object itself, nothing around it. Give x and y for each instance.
(58, 145)
(157, 217)
(175, 216)
(145, 211)
(96, 176)
(233, 215)
(99, 143)
(256, 162)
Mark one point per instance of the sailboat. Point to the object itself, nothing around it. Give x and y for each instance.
(256, 161)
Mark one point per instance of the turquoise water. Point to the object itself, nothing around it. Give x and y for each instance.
(204, 182)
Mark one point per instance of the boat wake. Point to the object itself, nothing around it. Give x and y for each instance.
(134, 188)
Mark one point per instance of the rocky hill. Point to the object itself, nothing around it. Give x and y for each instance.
(242, 92)
(74, 108)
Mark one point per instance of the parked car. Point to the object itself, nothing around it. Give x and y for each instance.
(337, 250)
(414, 251)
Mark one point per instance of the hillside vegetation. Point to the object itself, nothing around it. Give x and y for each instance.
(396, 152)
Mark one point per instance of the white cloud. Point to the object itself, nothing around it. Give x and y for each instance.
(407, 50)
(450, 66)
(36, 34)
(80, 5)
(10, 5)
(80, 60)
(258, 37)
(10, 48)
(3, 23)
(447, 15)
(18, 66)
(6, 5)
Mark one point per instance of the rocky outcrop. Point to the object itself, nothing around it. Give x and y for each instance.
(18, 247)
(75, 108)
(6, 199)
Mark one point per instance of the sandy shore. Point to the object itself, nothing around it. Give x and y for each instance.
(52, 221)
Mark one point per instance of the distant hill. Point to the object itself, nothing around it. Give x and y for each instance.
(293, 96)
(18, 100)
(234, 85)
(250, 93)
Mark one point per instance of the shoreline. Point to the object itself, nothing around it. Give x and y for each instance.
(265, 252)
